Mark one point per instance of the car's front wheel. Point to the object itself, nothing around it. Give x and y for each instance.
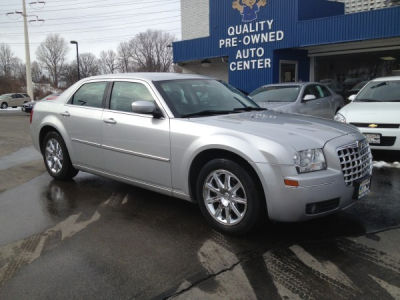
(228, 197)
(56, 157)
(4, 105)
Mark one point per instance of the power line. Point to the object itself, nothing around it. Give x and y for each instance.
(105, 27)
(106, 15)
(71, 30)
(94, 29)
(102, 39)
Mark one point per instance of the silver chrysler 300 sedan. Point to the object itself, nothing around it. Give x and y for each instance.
(198, 139)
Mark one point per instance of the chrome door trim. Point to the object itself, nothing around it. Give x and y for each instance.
(97, 145)
(135, 153)
(124, 151)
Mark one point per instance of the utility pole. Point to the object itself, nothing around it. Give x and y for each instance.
(29, 87)
(77, 58)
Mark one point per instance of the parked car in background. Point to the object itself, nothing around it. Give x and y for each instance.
(13, 100)
(354, 90)
(375, 110)
(306, 98)
(28, 106)
(192, 137)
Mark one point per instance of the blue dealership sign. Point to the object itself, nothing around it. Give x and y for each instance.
(256, 34)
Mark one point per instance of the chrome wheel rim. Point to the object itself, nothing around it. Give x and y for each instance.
(225, 197)
(54, 156)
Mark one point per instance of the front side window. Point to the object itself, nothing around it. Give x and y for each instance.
(90, 95)
(325, 91)
(380, 91)
(202, 97)
(125, 93)
(312, 90)
(276, 94)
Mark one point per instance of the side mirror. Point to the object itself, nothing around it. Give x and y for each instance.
(352, 97)
(146, 108)
(309, 97)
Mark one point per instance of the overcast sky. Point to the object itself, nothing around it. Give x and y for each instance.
(96, 24)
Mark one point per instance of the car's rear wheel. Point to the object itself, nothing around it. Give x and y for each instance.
(56, 157)
(228, 197)
(4, 105)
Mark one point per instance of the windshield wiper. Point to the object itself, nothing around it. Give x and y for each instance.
(239, 109)
(207, 113)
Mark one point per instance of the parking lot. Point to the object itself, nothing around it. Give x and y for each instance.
(98, 238)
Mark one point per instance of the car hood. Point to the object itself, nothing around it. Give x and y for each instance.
(372, 112)
(281, 106)
(297, 131)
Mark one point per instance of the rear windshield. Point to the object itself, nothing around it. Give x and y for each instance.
(276, 94)
(380, 91)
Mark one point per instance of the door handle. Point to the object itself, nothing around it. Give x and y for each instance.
(65, 114)
(110, 121)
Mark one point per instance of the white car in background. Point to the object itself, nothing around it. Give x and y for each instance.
(375, 110)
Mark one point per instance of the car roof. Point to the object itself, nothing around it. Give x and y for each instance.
(386, 78)
(292, 84)
(149, 76)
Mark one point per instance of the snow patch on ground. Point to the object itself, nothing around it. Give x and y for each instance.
(384, 164)
(11, 108)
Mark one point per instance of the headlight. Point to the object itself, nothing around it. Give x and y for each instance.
(309, 160)
(340, 118)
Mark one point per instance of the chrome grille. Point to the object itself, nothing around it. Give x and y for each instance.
(355, 160)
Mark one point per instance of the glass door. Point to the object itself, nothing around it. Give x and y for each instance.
(288, 71)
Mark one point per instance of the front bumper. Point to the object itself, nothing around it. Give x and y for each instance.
(326, 188)
(390, 138)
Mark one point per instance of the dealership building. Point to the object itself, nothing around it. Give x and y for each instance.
(275, 41)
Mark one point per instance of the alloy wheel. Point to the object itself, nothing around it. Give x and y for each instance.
(54, 156)
(225, 197)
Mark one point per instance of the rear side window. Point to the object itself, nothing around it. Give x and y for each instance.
(124, 93)
(90, 95)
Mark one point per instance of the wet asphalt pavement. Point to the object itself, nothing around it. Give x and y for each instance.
(95, 238)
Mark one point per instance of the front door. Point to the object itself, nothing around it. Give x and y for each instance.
(287, 71)
(82, 117)
(136, 146)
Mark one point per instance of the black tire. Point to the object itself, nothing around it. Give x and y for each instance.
(67, 171)
(4, 105)
(255, 213)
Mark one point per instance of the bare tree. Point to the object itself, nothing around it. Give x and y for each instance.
(124, 57)
(8, 61)
(37, 74)
(89, 65)
(51, 55)
(108, 62)
(151, 51)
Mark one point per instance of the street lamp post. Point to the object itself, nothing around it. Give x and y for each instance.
(77, 57)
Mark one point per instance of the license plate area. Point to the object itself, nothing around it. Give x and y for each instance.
(373, 138)
(362, 188)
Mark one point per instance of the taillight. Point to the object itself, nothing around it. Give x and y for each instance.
(31, 116)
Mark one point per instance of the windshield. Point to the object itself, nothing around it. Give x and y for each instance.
(276, 94)
(202, 97)
(380, 91)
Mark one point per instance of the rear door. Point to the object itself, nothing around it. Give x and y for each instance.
(82, 117)
(327, 106)
(136, 146)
